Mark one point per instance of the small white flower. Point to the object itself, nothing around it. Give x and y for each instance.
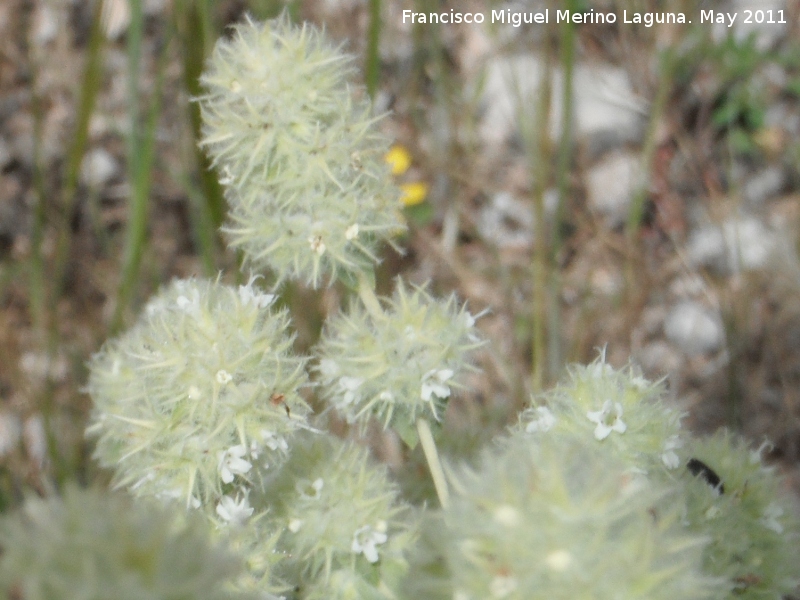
(560, 560)
(223, 377)
(350, 385)
(386, 396)
(191, 307)
(248, 294)
(329, 368)
(295, 525)
(365, 540)
(227, 177)
(232, 462)
(317, 245)
(507, 515)
(544, 420)
(311, 490)
(235, 512)
(194, 393)
(772, 513)
(503, 586)
(352, 232)
(606, 421)
(434, 383)
(274, 442)
(669, 457)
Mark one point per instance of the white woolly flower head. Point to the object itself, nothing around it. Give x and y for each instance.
(617, 408)
(309, 193)
(181, 400)
(340, 512)
(555, 516)
(400, 365)
(742, 507)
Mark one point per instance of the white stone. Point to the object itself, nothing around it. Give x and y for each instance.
(605, 105)
(611, 185)
(693, 328)
(766, 34)
(45, 25)
(764, 185)
(739, 244)
(506, 222)
(98, 168)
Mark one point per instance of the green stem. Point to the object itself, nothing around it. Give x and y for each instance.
(434, 464)
(366, 291)
(373, 62)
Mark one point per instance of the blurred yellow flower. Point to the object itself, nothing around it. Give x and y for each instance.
(399, 159)
(414, 193)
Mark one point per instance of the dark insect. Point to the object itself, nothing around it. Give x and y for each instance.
(700, 469)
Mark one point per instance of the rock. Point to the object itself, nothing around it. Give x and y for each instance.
(98, 168)
(607, 111)
(693, 328)
(507, 222)
(764, 185)
(611, 185)
(740, 244)
(767, 34)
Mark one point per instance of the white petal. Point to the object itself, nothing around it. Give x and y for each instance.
(601, 431)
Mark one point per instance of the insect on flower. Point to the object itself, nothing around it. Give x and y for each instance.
(699, 468)
(278, 399)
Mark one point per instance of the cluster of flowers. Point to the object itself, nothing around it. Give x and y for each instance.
(597, 493)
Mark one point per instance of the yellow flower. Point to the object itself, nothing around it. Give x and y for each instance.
(414, 193)
(399, 159)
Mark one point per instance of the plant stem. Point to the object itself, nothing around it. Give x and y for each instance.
(434, 464)
(366, 292)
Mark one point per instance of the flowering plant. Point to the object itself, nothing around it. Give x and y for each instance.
(597, 492)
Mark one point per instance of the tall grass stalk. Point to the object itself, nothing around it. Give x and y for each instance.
(563, 164)
(539, 152)
(140, 147)
(196, 34)
(372, 65)
(88, 91)
(636, 210)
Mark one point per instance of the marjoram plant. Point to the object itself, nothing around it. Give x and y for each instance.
(202, 407)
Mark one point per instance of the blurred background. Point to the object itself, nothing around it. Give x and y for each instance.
(609, 188)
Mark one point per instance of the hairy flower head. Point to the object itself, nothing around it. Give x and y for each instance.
(754, 528)
(298, 151)
(343, 522)
(399, 365)
(183, 400)
(556, 517)
(618, 409)
(95, 546)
